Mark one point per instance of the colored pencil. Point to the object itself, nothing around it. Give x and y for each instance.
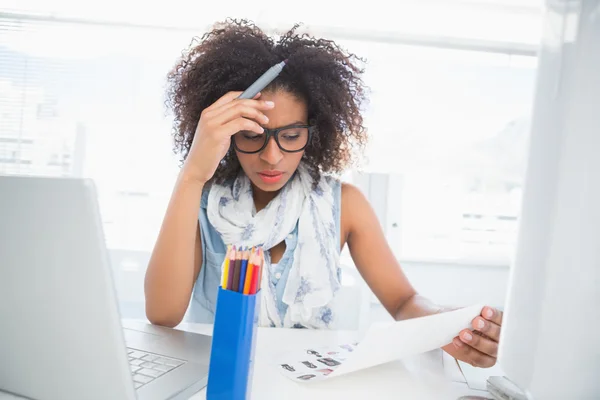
(232, 259)
(249, 271)
(243, 268)
(225, 269)
(256, 271)
(253, 283)
(261, 263)
(236, 271)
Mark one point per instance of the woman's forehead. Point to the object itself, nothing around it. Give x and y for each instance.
(288, 109)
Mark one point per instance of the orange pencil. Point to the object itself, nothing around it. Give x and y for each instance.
(225, 269)
(249, 272)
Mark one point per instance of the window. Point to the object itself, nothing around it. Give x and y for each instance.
(451, 129)
(448, 126)
(84, 100)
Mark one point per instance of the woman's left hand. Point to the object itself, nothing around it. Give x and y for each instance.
(479, 347)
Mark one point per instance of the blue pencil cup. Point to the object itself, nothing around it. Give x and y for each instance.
(233, 342)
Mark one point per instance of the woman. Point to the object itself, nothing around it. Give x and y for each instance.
(258, 170)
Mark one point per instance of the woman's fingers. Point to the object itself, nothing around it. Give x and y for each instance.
(490, 329)
(479, 342)
(241, 124)
(492, 315)
(236, 115)
(252, 109)
(480, 346)
(471, 355)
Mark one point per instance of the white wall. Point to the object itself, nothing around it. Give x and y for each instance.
(459, 284)
(450, 285)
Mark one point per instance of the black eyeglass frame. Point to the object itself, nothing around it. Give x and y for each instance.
(275, 134)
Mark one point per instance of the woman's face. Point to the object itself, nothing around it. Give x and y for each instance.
(271, 168)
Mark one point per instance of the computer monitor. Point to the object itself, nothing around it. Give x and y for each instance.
(550, 341)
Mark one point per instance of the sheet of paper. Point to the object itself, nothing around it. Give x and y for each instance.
(382, 343)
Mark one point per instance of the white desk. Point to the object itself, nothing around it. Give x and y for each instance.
(427, 376)
(433, 375)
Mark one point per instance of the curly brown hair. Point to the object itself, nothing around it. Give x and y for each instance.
(235, 53)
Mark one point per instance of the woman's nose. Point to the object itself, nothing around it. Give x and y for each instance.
(272, 153)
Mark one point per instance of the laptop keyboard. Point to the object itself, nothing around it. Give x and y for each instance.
(146, 367)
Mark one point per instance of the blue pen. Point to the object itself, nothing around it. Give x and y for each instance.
(243, 269)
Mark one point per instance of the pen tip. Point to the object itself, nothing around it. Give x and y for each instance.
(285, 61)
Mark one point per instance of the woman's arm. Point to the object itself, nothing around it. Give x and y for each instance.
(380, 269)
(376, 262)
(175, 261)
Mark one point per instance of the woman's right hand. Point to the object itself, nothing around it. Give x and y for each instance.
(217, 124)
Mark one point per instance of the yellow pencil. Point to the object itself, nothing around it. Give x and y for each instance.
(225, 269)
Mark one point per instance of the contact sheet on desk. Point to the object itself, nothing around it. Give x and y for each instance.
(315, 363)
(383, 343)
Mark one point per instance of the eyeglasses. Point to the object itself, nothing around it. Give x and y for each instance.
(291, 139)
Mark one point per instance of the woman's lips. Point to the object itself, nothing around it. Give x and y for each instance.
(270, 177)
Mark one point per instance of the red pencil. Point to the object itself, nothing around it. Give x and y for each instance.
(254, 283)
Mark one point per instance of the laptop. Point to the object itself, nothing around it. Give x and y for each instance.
(61, 335)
